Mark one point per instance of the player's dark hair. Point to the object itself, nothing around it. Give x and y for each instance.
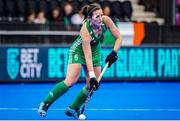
(87, 10)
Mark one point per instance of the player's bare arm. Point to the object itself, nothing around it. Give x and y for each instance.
(86, 39)
(115, 32)
(112, 57)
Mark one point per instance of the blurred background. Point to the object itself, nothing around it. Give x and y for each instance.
(160, 19)
(35, 36)
(40, 32)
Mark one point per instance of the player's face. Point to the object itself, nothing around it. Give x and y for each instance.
(97, 17)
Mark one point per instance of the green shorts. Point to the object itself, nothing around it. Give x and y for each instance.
(75, 57)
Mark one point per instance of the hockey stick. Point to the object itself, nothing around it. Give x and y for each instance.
(92, 90)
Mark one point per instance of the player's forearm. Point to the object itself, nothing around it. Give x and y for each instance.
(89, 64)
(117, 44)
(88, 56)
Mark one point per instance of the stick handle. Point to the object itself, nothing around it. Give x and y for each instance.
(102, 72)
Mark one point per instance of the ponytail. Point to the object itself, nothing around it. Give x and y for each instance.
(87, 10)
(84, 11)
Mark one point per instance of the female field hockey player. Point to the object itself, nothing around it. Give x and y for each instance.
(85, 52)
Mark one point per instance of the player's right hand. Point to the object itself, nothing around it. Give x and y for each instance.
(111, 58)
(94, 84)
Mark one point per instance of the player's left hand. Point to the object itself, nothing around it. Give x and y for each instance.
(94, 84)
(111, 58)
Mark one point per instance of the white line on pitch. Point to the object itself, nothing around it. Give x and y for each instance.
(100, 109)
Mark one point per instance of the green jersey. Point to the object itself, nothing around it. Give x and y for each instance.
(76, 54)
